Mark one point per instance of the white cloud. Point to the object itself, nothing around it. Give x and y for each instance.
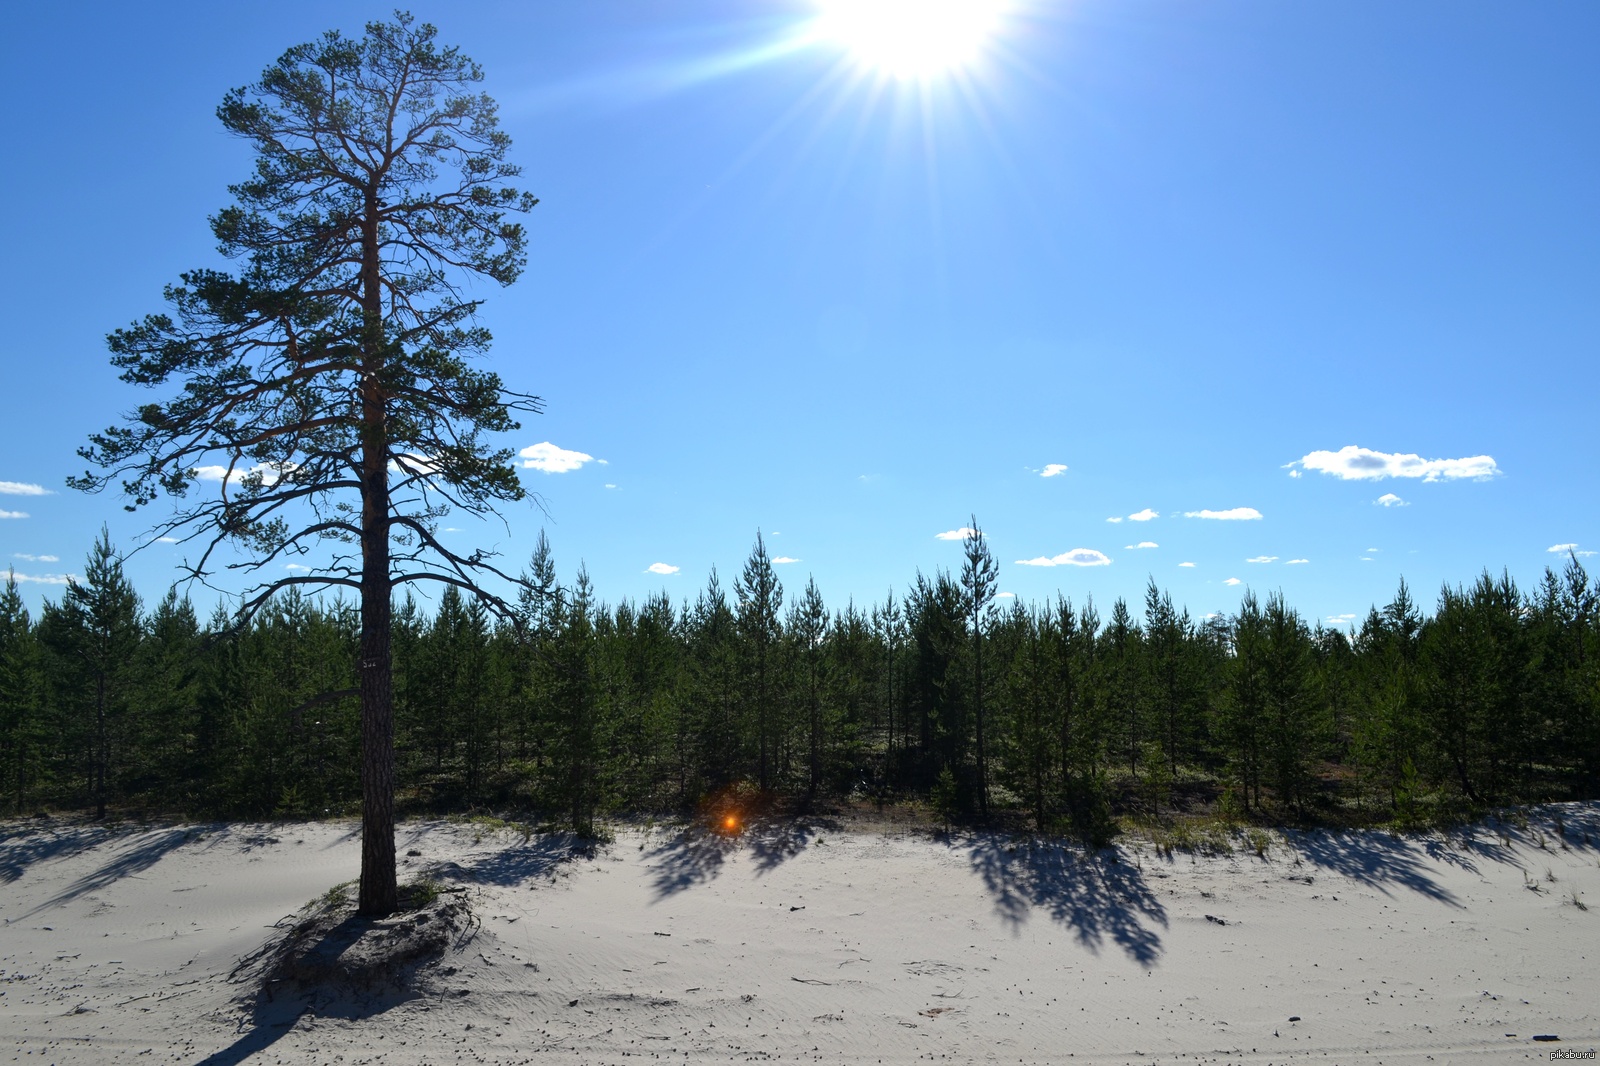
(1296, 562)
(1389, 499)
(23, 488)
(609, 485)
(1141, 544)
(1052, 469)
(1232, 514)
(296, 566)
(1366, 558)
(1005, 595)
(25, 557)
(786, 559)
(1341, 619)
(1233, 581)
(1189, 565)
(13, 514)
(270, 472)
(44, 579)
(1262, 559)
(603, 462)
(661, 568)
(553, 460)
(951, 534)
(1374, 550)
(1114, 518)
(1075, 557)
(1144, 515)
(166, 540)
(1351, 463)
(1560, 549)
(1294, 473)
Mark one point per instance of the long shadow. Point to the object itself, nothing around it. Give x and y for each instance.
(1376, 860)
(141, 853)
(1097, 897)
(536, 857)
(24, 846)
(774, 843)
(277, 1005)
(693, 857)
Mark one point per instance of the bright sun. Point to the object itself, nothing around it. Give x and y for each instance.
(911, 38)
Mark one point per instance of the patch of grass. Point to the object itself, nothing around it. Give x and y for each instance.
(1259, 841)
(419, 893)
(337, 896)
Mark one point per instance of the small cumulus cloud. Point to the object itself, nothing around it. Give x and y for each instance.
(1374, 550)
(1389, 499)
(1189, 565)
(267, 473)
(23, 488)
(661, 568)
(953, 534)
(1144, 515)
(296, 566)
(1075, 557)
(1296, 562)
(1341, 619)
(1053, 469)
(43, 579)
(1141, 544)
(166, 540)
(1351, 463)
(25, 557)
(1366, 558)
(13, 514)
(1114, 518)
(553, 460)
(786, 559)
(1232, 514)
(609, 485)
(1262, 559)
(1233, 581)
(1559, 549)
(1005, 595)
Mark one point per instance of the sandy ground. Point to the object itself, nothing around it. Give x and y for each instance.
(817, 944)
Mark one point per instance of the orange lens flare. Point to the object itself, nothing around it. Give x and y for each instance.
(730, 823)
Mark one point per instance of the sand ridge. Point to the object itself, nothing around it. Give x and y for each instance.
(799, 941)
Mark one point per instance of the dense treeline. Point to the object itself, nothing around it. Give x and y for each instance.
(1050, 713)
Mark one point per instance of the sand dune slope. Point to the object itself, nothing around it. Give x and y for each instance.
(812, 943)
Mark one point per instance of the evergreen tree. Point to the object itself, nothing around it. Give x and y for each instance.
(979, 574)
(760, 597)
(22, 730)
(325, 387)
(95, 635)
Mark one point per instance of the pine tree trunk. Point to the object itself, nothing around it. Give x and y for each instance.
(379, 893)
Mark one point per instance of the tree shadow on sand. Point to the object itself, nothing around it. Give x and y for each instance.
(334, 964)
(695, 856)
(533, 858)
(23, 846)
(1099, 898)
(137, 855)
(1377, 860)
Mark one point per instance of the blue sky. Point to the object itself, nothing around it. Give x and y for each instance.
(1161, 260)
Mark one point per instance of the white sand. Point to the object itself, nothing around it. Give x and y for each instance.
(824, 945)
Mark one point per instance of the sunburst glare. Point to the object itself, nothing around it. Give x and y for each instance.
(911, 39)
